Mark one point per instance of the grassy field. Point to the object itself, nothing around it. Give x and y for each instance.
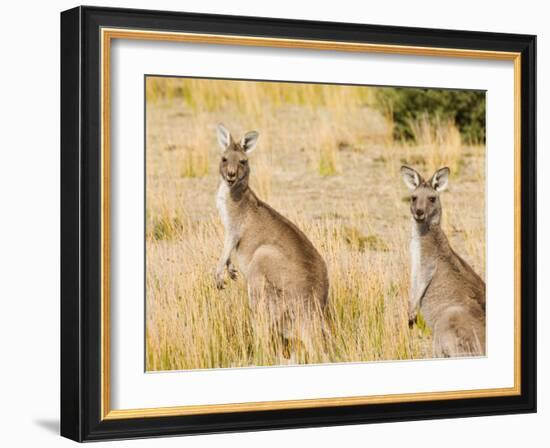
(326, 159)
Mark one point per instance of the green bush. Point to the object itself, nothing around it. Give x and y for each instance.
(466, 108)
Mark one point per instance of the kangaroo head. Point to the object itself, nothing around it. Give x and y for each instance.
(425, 203)
(234, 155)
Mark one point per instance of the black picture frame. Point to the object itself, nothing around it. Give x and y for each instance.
(81, 224)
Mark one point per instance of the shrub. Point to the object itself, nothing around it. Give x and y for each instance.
(406, 105)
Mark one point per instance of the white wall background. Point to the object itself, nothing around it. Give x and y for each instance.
(29, 222)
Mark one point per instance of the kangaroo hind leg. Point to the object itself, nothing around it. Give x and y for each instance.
(455, 335)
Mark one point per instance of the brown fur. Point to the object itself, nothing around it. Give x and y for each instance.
(278, 261)
(444, 288)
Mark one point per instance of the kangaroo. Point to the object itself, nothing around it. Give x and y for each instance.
(450, 295)
(278, 261)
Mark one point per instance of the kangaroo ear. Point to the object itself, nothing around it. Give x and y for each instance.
(224, 136)
(248, 142)
(411, 178)
(440, 179)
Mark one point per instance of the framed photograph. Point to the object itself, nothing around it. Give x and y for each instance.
(272, 223)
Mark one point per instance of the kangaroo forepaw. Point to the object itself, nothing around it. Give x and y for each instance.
(412, 319)
(220, 282)
(233, 272)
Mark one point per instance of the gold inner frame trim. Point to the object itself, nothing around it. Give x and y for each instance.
(107, 35)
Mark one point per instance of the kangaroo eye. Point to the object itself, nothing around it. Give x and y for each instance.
(243, 162)
(224, 159)
(413, 198)
(432, 199)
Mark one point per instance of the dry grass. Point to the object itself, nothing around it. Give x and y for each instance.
(325, 160)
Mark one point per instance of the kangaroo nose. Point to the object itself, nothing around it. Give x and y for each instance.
(231, 174)
(419, 214)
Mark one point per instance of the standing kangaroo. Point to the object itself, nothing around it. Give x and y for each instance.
(278, 261)
(450, 295)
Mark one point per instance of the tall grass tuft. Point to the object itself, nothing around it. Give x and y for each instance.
(194, 163)
(327, 163)
(438, 143)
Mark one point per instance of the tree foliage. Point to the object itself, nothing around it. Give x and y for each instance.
(405, 105)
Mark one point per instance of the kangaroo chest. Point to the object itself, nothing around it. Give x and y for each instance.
(422, 269)
(222, 198)
(232, 220)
